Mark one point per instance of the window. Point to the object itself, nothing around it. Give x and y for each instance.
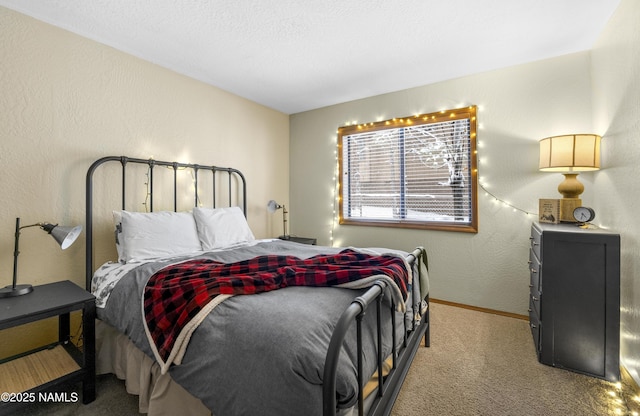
(416, 172)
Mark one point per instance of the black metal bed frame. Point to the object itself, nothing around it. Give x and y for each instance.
(388, 385)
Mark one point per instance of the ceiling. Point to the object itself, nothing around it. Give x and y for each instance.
(298, 55)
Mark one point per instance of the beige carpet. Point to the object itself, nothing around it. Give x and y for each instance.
(485, 364)
(478, 364)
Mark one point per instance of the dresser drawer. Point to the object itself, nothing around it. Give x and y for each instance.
(535, 278)
(535, 241)
(534, 325)
(534, 305)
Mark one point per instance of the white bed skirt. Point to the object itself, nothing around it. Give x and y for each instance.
(158, 394)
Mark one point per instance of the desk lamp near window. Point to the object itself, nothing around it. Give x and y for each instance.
(64, 236)
(570, 154)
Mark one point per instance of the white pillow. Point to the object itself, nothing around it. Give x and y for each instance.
(152, 235)
(222, 227)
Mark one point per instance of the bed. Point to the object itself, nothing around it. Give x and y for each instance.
(199, 317)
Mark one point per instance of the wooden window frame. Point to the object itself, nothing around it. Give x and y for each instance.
(431, 118)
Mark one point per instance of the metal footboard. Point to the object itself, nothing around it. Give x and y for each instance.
(389, 385)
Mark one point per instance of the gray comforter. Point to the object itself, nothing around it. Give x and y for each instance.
(259, 354)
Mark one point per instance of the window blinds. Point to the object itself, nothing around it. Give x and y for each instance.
(411, 173)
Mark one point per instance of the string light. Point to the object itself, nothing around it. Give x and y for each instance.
(402, 121)
(407, 121)
(147, 184)
(496, 199)
(354, 126)
(503, 202)
(335, 190)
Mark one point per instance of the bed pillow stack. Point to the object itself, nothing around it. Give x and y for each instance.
(144, 236)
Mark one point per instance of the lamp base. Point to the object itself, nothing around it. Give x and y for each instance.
(19, 290)
(567, 205)
(570, 187)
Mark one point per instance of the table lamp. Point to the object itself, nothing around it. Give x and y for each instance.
(570, 154)
(273, 206)
(64, 236)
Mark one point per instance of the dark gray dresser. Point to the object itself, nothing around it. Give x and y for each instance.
(574, 299)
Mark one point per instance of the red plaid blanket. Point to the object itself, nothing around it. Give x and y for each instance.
(178, 297)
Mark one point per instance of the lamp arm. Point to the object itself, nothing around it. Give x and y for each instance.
(16, 247)
(43, 225)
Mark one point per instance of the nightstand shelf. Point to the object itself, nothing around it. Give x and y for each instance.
(45, 368)
(36, 369)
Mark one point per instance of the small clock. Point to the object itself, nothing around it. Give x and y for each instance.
(584, 214)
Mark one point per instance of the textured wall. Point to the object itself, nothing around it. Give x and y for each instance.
(66, 101)
(517, 107)
(616, 112)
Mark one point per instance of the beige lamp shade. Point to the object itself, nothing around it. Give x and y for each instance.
(570, 153)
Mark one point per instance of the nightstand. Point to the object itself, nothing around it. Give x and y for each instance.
(302, 240)
(36, 372)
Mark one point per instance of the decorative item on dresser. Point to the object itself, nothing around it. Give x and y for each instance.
(584, 215)
(318, 342)
(574, 301)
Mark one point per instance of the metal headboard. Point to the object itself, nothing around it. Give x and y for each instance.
(234, 175)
